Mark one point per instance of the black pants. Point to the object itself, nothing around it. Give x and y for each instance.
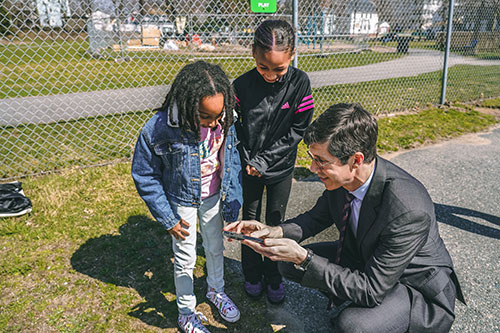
(255, 267)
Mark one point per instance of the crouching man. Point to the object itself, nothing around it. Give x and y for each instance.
(389, 270)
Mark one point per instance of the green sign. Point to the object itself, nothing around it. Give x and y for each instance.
(263, 6)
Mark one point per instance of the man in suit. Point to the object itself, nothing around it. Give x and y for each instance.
(390, 270)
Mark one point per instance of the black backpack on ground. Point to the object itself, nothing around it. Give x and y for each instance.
(13, 202)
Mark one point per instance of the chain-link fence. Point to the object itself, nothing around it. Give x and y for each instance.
(79, 78)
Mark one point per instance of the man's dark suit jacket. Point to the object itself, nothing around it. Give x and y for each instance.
(397, 241)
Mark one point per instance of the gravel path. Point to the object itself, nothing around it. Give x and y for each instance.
(463, 178)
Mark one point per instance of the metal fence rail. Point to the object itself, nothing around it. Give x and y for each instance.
(79, 78)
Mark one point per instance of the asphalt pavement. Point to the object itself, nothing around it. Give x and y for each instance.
(463, 179)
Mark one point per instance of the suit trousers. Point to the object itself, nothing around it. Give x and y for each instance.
(392, 315)
(255, 267)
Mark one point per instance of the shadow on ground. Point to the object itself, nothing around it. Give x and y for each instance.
(302, 173)
(141, 257)
(457, 217)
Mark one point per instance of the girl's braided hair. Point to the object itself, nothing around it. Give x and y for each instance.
(274, 35)
(194, 82)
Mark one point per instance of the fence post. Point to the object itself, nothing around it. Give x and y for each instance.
(118, 24)
(447, 51)
(295, 21)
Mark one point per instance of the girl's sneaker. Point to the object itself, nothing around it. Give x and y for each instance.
(254, 290)
(192, 323)
(275, 295)
(227, 309)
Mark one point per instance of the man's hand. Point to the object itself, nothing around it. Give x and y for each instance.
(279, 249)
(255, 229)
(275, 247)
(179, 230)
(251, 171)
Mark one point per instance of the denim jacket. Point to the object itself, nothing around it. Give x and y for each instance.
(167, 173)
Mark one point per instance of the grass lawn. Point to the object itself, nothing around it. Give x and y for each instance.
(414, 44)
(491, 103)
(90, 258)
(32, 149)
(90, 141)
(465, 83)
(488, 55)
(408, 131)
(61, 68)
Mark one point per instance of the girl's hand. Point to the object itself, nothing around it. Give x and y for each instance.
(255, 229)
(244, 227)
(179, 230)
(251, 171)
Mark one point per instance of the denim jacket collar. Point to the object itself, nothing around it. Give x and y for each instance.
(175, 116)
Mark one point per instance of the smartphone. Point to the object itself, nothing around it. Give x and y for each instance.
(240, 237)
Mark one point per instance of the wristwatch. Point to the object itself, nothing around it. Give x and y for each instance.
(303, 266)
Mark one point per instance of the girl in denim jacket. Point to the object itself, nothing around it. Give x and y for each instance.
(186, 167)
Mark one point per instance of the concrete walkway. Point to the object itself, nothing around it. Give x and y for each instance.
(417, 62)
(46, 109)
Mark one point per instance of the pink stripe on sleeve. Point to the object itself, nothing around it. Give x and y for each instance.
(305, 103)
(305, 108)
(236, 98)
(307, 97)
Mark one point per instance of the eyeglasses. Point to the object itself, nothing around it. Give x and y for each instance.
(320, 164)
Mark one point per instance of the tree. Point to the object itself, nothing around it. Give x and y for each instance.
(4, 20)
(404, 14)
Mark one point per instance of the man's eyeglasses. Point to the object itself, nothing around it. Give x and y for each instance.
(320, 164)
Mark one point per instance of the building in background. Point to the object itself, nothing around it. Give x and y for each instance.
(52, 13)
(383, 28)
(363, 17)
(430, 13)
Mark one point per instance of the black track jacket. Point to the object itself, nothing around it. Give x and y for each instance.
(272, 118)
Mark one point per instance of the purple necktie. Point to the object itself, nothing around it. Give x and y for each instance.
(346, 212)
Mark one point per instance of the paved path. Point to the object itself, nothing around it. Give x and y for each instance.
(417, 62)
(463, 179)
(45, 109)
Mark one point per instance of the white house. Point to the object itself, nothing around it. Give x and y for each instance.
(51, 12)
(363, 17)
(101, 20)
(383, 28)
(430, 8)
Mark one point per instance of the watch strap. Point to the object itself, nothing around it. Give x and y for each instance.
(305, 264)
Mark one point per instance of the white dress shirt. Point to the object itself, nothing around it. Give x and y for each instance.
(359, 195)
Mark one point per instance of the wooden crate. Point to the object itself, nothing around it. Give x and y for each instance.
(151, 36)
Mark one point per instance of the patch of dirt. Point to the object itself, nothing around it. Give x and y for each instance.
(383, 49)
(490, 111)
(4, 41)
